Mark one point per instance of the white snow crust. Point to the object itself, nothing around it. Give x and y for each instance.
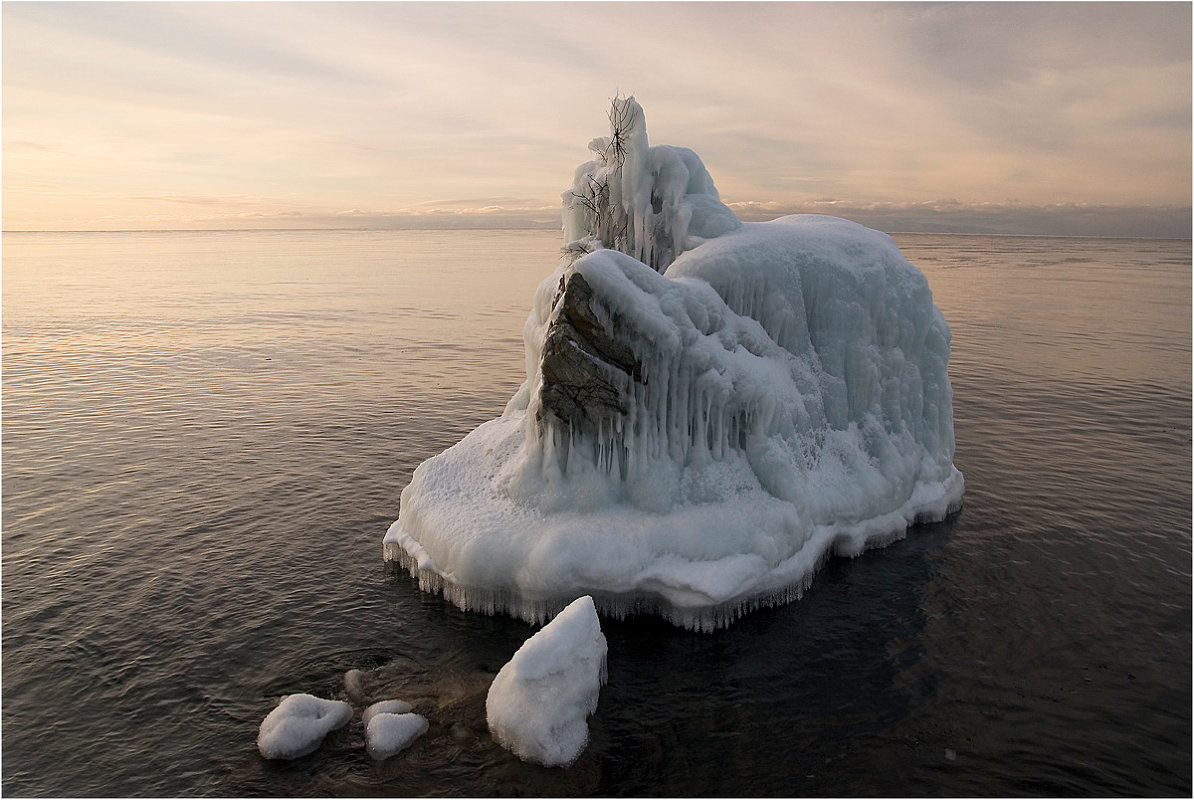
(795, 404)
(298, 725)
(384, 707)
(387, 734)
(538, 704)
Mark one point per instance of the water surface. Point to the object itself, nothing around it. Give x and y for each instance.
(205, 436)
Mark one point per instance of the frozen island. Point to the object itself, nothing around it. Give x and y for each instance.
(711, 409)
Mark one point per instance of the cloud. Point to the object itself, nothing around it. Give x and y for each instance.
(199, 200)
(313, 108)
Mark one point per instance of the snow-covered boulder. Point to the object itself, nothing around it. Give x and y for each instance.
(711, 409)
(385, 707)
(298, 725)
(388, 733)
(538, 704)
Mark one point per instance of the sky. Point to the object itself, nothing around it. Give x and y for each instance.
(1035, 118)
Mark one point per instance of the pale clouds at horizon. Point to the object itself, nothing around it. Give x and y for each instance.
(163, 114)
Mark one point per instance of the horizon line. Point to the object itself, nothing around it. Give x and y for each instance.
(526, 228)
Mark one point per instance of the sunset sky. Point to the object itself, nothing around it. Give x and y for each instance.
(1007, 117)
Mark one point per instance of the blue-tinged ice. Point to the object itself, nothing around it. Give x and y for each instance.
(774, 393)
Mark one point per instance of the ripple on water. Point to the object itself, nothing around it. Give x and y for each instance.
(200, 460)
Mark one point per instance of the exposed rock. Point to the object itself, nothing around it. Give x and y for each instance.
(587, 366)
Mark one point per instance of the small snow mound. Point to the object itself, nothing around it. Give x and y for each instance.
(385, 707)
(299, 723)
(387, 734)
(539, 701)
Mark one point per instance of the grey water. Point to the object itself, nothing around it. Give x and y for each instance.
(205, 436)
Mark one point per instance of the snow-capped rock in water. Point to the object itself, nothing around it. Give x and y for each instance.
(388, 733)
(298, 724)
(385, 707)
(538, 703)
(711, 409)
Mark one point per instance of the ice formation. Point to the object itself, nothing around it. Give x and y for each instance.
(387, 733)
(298, 724)
(539, 701)
(711, 409)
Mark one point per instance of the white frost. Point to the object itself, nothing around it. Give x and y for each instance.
(299, 723)
(387, 734)
(794, 404)
(539, 701)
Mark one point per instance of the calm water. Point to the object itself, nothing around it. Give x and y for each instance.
(205, 436)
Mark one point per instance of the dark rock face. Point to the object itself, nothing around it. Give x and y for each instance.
(587, 366)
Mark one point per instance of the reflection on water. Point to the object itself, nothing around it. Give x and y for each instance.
(1062, 309)
(205, 436)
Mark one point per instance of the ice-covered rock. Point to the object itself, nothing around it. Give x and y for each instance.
(298, 725)
(387, 733)
(711, 409)
(538, 704)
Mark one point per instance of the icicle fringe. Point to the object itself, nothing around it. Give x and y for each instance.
(620, 607)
